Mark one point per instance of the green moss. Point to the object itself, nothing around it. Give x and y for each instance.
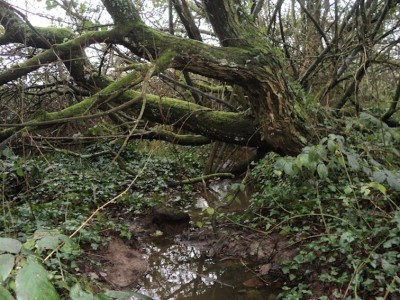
(56, 34)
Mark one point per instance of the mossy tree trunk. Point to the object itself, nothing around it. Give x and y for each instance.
(247, 59)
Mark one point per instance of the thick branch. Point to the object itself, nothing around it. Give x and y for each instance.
(17, 31)
(187, 20)
(224, 126)
(76, 62)
(57, 52)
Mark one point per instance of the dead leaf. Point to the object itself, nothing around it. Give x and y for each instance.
(264, 269)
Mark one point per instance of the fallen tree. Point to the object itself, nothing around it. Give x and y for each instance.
(274, 112)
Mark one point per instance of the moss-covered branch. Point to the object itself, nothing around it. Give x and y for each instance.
(55, 53)
(215, 125)
(17, 31)
(175, 138)
(200, 179)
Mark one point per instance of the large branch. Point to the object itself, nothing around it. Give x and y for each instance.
(224, 126)
(57, 52)
(248, 60)
(228, 127)
(19, 30)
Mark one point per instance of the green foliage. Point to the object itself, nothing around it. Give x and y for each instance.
(339, 200)
(32, 283)
(45, 199)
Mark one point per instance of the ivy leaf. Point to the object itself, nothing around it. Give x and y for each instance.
(77, 293)
(322, 171)
(10, 245)
(288, 168)
(393, 181)
(378, 176)
(353, 162)
(392, 242)
(4, 294)
(6, 265)
(48, 242)
(332, 146)
(391, 269)
(32, 283)
(346, 238)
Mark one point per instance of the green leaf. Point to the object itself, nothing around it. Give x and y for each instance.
(346, 238)
(389, 268)
(348, 190)
(32, 283)
(41, 233)
(378, 187)
(6, 265)
(158, 233)
(322, 171)
(48, 242)
(332, 146)
(199, 224)
(341, 161)
(393, 181)
(88, 24)
(302, 160)
(391, 242)
(50, 4)
(378, 176)
(210, 210)
(19, 172)
(288, 168)
(10, 245)
(7, 152)
(29, 244)
(4, 294)
(353, 162)
(77, 293)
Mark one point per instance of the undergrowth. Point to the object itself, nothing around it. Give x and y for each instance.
(338, 202)
(47, 198)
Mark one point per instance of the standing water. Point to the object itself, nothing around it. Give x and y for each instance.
(179, 271)
(182, 270)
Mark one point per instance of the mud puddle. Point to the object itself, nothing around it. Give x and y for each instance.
(181, 271)
(172, 259)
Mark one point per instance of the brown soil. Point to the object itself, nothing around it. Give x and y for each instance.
(124, 265)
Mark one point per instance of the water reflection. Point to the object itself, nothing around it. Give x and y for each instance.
(178, 271)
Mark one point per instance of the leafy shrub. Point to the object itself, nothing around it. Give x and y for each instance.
(340, 202)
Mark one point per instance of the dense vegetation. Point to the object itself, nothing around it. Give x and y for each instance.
(115, 109)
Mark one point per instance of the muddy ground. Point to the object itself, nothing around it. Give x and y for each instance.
(123, 262)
